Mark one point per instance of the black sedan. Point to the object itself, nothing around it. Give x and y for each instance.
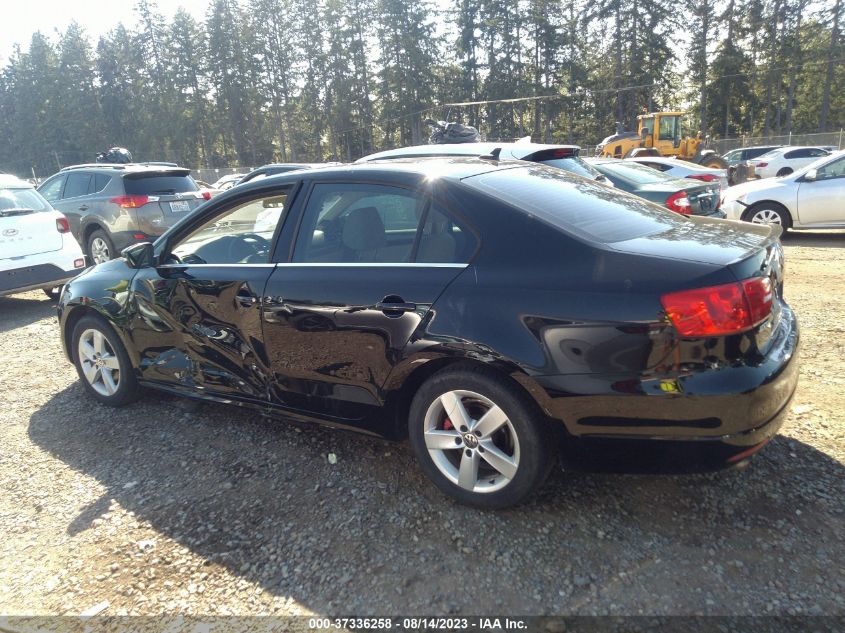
(681, 195)
(489, 310)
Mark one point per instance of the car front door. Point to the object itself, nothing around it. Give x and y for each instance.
(820, 201)
(198, 313)
(368, 263)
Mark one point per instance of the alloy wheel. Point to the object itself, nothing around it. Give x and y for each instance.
(766, 216)
(99, 362)
(471, 441)
(100, 250)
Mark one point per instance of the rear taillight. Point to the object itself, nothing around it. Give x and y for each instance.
(720, 310)
(679, 203)
(130, 202)
(761, 164)
(704, 177)
(62, 226)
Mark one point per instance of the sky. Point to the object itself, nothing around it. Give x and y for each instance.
(21, 19)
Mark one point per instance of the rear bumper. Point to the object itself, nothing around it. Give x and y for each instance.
(733, 407)
(34, 277)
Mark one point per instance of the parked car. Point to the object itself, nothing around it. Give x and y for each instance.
(566, 157)
(37, 249)
(785, 160)
(278, 168)
(678, 168)
(227, 182)
(110, 207)
(810, 198)
(742, 154)
(489, 310)
(687, 197)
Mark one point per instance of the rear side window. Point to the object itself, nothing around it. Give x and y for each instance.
(77, 185)
(22, 199)
(158, 184)
(444, 240)
(100, 182)
(590, 211)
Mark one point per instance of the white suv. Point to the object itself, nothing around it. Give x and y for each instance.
(37, 249)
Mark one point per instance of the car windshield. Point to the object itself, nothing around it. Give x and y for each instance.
(635, 173)
(22, 199)
(584, 208)
(158, 184)
(575, 165)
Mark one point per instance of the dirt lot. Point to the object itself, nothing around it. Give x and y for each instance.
(170, 507)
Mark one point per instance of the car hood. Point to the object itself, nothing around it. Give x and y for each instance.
(737, 191)
(703, 240)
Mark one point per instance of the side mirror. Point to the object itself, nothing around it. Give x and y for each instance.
(140, 255)
(811, 175)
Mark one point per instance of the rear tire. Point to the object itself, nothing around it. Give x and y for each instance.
(785, 171)
(479, 440)
(713, 161)
(102, 362)
(768, 213)
(99, 247)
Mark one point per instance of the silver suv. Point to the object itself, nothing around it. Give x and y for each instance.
(110, 207)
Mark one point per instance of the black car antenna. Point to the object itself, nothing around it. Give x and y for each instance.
(493, 155)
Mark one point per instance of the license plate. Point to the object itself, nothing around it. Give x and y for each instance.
(180, 206)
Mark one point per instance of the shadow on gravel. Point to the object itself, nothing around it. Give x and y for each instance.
(369, 534)
(814, 239)
(18, 310)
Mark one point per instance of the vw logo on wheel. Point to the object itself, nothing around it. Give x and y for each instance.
(10, 232)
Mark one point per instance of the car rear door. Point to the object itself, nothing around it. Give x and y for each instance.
(368, 263)
(198, 321)
(27, 225)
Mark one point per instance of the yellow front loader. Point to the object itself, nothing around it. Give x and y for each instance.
(660, 134)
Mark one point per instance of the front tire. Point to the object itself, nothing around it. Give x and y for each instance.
(102, 362)
(479, 440)
(99, 247)
(768, 213)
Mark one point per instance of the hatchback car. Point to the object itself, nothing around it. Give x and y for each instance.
(687, 197)
(110, 207)
(566, 157)
(785, 160)
(37, 249)
(488, 310)
(811, 198)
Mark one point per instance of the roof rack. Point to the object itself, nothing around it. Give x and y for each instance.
(118, 165)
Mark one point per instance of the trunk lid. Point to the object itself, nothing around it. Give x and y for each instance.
(703, 198)
(708, 241)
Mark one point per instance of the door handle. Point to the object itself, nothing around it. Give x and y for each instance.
(245, 298)
(395, 307)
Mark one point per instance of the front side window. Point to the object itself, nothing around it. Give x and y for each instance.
(241, 235)
(52, 189)
(77, 185)
(359, 223)
(836, 169)
(797, 153)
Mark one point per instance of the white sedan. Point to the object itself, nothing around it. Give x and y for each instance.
(810, 198)
(786, 160)
(37, 249)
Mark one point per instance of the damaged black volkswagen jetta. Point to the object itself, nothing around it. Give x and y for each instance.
(492, 311)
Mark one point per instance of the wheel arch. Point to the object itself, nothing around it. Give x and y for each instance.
(74, 313)
(406, 380)
(746, 215)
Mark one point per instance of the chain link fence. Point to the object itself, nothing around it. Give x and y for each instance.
(824, 139)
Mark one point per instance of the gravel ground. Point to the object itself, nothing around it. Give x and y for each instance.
(171, 507)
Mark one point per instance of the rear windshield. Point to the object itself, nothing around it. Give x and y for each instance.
(575, 165)
(158, 184)
(635, 173)
(22, 199)
(583, 208)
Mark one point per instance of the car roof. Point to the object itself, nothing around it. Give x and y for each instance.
(445, 168)
(517, 150)
(133, 167)
(8, 181)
